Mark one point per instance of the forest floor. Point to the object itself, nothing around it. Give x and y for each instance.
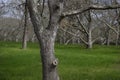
(75, 62)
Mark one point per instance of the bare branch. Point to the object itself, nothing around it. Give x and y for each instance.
(84, 40)
(36, 18)
(68, 32)
(82, 24)
(108, 25)
(43, 5)
(75, 35)
(117, 32)
(96, 39)
(111, 27)
(92, 7)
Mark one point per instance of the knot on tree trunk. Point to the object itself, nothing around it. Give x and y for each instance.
(55, 63)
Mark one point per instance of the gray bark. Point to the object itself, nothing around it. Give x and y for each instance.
(90, 42)
(49, 62)
(89, 45)
(107, 37)
(46, 36)
(25, 33)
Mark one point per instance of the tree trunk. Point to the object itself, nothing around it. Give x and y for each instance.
(25, 33)
(49, 62)
(117, 39)
(46, 36)
(24, 43)
(89, 46)
(107, 38)
(33, 38)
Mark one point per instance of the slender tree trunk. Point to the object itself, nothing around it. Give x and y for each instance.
(33, 38)
(89, 44)
(89, 31)
(117, 39)
(118, 34)
(89, 40)
(25, 33)
(107, 38)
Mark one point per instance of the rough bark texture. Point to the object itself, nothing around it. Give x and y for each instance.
(46, 36)
(49, 62)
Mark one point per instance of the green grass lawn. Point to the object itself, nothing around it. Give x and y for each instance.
(75, 63)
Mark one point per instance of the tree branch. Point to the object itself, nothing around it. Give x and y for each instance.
(111, 27)
(96, 39)
(75, 35)
(92, 7)
(35, 17)
(82, 25)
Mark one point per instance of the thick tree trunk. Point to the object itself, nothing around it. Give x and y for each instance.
(46, 36)
(49, 62)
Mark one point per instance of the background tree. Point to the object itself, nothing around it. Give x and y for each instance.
(25, 33)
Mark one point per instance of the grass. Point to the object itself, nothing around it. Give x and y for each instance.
(75, 62)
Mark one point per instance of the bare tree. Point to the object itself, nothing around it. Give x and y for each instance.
(87, 29)
(46, 35)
